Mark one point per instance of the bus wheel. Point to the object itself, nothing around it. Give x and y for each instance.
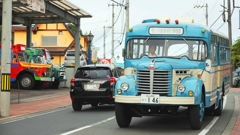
(122, 116)
(46, 85)
(26, 82)
(218, 111)
(196, 114)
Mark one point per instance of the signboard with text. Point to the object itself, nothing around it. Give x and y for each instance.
(37, 5)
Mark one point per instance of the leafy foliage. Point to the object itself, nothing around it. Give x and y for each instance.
(72, 28)
(235, 53)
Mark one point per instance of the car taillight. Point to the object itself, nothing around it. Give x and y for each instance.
(72, 81)
(112, 80)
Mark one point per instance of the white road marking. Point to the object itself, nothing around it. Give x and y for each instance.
(206, 129)
(88, 126)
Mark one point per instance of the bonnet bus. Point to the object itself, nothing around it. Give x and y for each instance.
(172, 68)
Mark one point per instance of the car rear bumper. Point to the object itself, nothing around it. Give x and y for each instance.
(90, 99)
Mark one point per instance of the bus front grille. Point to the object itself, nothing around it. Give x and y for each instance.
(161, 82)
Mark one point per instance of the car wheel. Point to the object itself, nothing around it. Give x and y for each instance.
(122, 116)
(77, 106)
(26, 82)
(94, 104)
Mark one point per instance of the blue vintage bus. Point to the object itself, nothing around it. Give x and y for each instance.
(172, 68)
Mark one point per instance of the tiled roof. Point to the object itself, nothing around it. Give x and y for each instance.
(55, 50)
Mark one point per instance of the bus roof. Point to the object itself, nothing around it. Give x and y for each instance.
(193, 28)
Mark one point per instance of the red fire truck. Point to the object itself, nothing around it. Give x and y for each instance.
(25, 74)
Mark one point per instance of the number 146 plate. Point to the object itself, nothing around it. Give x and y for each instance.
(149, 98)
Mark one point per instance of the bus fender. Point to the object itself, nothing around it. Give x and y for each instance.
(193, 84)
(130, 80)
(26, 72)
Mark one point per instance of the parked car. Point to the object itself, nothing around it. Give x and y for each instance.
(69, 59)
(236, 77)
(94, 85)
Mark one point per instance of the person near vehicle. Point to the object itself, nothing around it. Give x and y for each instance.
(152, 49)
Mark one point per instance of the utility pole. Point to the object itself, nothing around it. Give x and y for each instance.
(104, 56)
(127, 15)
(206, 14)
(5, 58)
(112, 29)
(198, 6)
(232, 68)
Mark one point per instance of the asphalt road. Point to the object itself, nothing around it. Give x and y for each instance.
(101, 121)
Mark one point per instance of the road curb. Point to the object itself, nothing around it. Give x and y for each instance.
(232, 122)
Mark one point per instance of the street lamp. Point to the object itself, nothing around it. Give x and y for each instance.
(90, 38)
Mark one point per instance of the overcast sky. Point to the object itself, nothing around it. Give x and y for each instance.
(101, 12)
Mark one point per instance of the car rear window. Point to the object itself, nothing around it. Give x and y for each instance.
(98, 72)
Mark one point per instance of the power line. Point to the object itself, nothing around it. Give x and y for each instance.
(216, 20)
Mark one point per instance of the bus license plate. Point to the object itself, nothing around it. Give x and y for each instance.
(149, 98)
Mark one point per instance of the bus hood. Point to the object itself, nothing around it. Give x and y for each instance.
(169, 65)
(35, 65)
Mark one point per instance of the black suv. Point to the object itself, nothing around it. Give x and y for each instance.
(93, 84)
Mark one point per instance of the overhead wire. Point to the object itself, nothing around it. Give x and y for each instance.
(110, 26)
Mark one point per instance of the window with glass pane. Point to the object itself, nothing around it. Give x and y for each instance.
(49, 40)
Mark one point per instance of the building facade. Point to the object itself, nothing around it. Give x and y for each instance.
(57, 38)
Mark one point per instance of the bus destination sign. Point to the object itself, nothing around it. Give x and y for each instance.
(172, 31)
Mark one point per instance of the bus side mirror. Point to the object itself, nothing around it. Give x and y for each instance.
(52, 57)
(208, 65)
(123, 52)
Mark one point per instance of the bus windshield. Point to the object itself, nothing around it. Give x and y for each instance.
(193, 49)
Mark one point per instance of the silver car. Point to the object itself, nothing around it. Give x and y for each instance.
(69, 59)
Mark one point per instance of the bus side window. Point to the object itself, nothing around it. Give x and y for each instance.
(14, 59)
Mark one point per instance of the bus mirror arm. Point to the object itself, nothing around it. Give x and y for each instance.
(208, 65)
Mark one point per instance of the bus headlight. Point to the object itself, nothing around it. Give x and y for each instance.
(181, 88)
(124, 86)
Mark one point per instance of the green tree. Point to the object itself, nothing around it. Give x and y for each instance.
(235, 53)
(72, 28)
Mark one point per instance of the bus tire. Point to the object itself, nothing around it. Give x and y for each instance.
(218, 111)
(122, 116)
(196, 114)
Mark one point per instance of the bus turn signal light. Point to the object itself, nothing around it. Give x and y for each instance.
(158, 21)
(167, 21)
(176, 21)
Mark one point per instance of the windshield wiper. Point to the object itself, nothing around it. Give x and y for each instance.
(145, 41)
(186, 41)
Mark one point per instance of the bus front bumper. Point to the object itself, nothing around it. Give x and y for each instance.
(162, 100)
